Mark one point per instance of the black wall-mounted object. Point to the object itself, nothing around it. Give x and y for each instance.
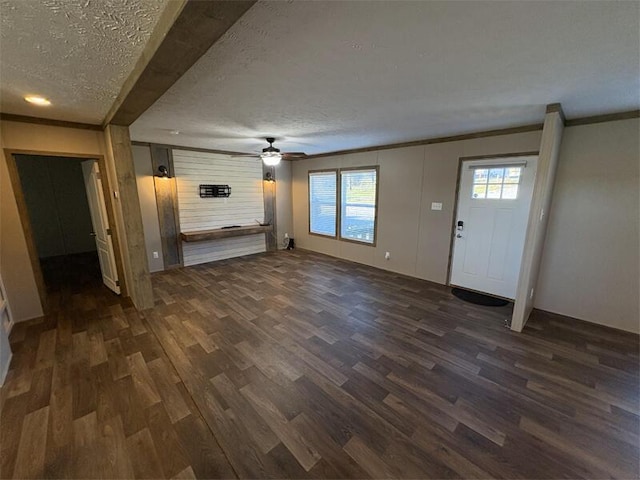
(163, 172)
(215, 191)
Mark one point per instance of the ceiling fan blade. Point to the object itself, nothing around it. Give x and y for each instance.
(294, 154)
(244, 155)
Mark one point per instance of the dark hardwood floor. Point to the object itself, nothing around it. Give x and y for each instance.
(299, 365)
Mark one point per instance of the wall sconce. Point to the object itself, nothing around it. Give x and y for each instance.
(163, 172)
(268, 177)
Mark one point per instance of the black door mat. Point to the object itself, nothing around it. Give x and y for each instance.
(478, 298)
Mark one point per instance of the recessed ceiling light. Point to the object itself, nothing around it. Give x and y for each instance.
(175, 132)
(38, 100)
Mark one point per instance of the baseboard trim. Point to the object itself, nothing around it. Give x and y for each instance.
(582, 320)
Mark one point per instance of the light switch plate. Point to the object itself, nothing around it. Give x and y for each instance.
(436, 206)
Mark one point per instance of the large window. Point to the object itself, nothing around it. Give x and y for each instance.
(355, 191)
(322, 202)
(358, 204)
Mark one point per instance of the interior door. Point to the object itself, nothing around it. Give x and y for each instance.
(491, 222)
(100, 222)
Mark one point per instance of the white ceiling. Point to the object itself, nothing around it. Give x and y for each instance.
(324, 76)
(77, 53)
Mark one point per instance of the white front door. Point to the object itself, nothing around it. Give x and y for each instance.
(100, 223)
(491, 222)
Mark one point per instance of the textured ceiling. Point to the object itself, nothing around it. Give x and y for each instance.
(77, 53)
(325, 76)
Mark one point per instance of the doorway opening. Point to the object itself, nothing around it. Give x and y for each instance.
(65, 221)
(492, 211)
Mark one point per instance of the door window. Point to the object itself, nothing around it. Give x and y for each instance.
(496, 183)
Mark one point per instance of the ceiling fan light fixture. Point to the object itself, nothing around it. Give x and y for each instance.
(271, 158)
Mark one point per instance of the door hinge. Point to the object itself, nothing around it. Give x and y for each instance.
(117, 283)
(108, 231)
(98, 176)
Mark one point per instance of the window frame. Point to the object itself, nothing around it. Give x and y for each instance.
(338, 223)
(376, 168)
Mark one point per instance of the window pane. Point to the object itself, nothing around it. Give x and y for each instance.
(480, 175)
(494, 191)
(495, 175)
(479, 191)
(322, 203)
(512, 175)
(358, 209)
(510, 191)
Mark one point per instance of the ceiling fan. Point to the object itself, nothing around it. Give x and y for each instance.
(271, 155)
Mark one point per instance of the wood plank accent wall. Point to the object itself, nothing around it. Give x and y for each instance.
(167, 201)
(243, 207)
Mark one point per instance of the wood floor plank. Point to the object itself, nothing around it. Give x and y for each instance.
(369, 460)
(146, 463)
(117, 361)
(97, 350)
(31, 450)
(171, 453)
(299, 446)
(174, 404)
(145, 387)
(206, 458)
(186, 474)
(117, 463)
(259, 430)
(46, 349)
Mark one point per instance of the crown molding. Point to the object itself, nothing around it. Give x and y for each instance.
(10, 117)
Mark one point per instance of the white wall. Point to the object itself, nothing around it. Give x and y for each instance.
(243, 207)
(417, 237)
(148, 206)
(590, 266)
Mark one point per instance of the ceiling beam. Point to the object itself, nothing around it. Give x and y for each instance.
(186, 30)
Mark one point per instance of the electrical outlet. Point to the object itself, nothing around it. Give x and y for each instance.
(155, 255)
(436, 205)
(387, 255)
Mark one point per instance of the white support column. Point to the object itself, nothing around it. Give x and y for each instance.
(538, 215)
